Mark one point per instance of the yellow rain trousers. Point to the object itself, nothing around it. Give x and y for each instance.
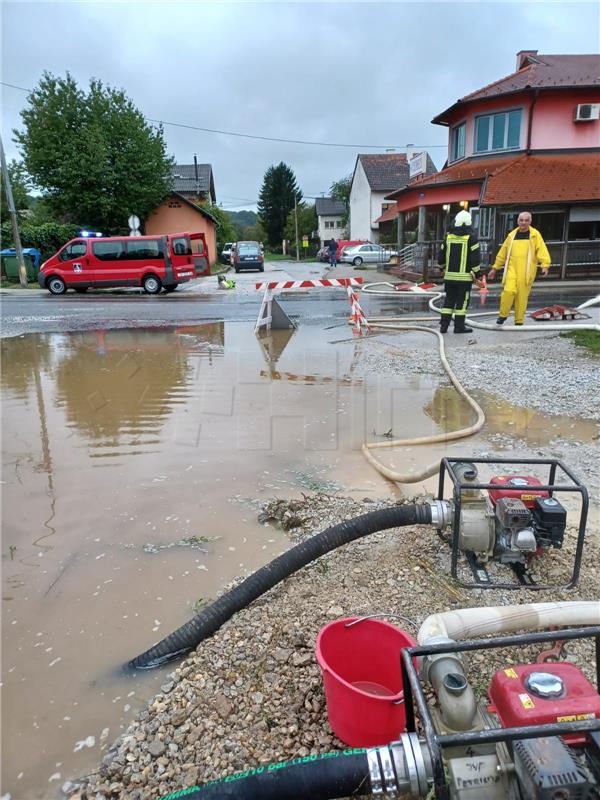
(520, 258)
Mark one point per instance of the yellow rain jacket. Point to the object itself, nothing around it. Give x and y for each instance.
(522, 256)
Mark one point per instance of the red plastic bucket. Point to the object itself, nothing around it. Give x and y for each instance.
(362, 679)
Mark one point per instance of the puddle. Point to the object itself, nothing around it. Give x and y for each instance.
(501, 417)
(134, 463)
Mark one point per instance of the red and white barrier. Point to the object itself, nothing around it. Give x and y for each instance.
(265, 315)
(357, 317)
(310, 284)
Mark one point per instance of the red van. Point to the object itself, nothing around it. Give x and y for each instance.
(152, 262)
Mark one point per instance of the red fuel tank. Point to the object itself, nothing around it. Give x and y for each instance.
(522, 487)
(536, 694)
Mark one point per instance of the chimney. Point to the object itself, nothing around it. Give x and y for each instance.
(409, 152)
(523, 55)
(197, 178)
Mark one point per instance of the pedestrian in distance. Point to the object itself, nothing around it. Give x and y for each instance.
(519, 256)
(459, 259)
(332, 248)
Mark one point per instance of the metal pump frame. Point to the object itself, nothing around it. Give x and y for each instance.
(447, 465)
(436, 742)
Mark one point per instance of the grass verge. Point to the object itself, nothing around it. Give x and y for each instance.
(588, 339)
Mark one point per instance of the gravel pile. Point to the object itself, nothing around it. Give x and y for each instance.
(252, 694)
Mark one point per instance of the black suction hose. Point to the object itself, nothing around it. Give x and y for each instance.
(321, 777)
(210, 619)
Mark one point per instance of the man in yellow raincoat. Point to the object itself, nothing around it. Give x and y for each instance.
(519, 256)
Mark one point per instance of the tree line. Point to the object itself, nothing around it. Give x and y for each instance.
(89, 159)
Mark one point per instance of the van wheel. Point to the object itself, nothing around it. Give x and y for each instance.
(151, 284)
(170, 288)
(81, 290)
(56, 285)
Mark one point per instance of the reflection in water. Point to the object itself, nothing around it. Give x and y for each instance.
(451, 413)
(115, 391)
(23, 358)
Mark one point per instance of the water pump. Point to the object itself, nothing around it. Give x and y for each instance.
(511, 520)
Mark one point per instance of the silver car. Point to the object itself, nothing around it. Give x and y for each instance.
(367, 253)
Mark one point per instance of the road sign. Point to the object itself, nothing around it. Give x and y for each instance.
(133, 222)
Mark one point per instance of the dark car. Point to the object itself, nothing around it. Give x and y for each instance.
(248, 255)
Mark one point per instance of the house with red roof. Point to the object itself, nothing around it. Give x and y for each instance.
(527, 142)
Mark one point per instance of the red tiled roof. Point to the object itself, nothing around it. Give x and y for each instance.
(532, 179)
(388, 215)
(539, 72)
(462, 172)
(546, 179)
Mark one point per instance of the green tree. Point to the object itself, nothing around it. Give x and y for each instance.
(340, 190)
(307, 223)
(19, 183)
(276, 200)
(226, 231)
(92, 153)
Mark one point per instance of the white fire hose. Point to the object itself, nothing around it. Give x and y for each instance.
(391, 323)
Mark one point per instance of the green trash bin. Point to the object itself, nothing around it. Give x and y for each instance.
(10, 268)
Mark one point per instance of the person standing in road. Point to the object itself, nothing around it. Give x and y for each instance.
(519, 256)
(459, 259)
(333, 248)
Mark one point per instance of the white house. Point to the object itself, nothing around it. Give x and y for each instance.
(373, 178)
(330, 214)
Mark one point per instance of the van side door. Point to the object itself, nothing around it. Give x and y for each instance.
(143, 256)
(107, 258)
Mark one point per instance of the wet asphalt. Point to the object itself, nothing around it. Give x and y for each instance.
(36, 311)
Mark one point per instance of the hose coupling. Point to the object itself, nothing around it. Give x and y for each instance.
(442, 513)
(401, 768)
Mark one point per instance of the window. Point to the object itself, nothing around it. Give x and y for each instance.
(108, 251)
(498, 131)
(329, 224)
(143, 248)
(248, 249)
(182, 246)
(75, 250)
(338, 224)
(458, 141)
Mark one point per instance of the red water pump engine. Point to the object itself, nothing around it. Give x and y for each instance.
(527, 519)
(508, 520)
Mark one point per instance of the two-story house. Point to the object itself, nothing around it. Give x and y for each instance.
(527, 142)
(374, 177)
(330, 218)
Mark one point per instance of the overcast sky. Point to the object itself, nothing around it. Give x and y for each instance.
(356, 73)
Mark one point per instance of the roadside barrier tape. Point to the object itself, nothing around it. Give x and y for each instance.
(310, 284)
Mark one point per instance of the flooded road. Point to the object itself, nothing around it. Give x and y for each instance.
(134, 464)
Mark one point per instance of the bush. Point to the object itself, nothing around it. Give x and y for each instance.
(48, 237)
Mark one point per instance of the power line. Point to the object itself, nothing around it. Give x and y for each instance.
(269, 138)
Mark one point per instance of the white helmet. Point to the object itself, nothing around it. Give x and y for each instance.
(462, 218)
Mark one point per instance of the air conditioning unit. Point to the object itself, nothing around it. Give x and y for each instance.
(586, 112)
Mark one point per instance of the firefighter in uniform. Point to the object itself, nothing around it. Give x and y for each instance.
(519, 256)
(459, 259)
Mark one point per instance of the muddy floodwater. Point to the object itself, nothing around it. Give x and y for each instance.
(134, 465)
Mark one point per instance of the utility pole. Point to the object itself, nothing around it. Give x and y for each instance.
(13, 218)
(296, 222)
